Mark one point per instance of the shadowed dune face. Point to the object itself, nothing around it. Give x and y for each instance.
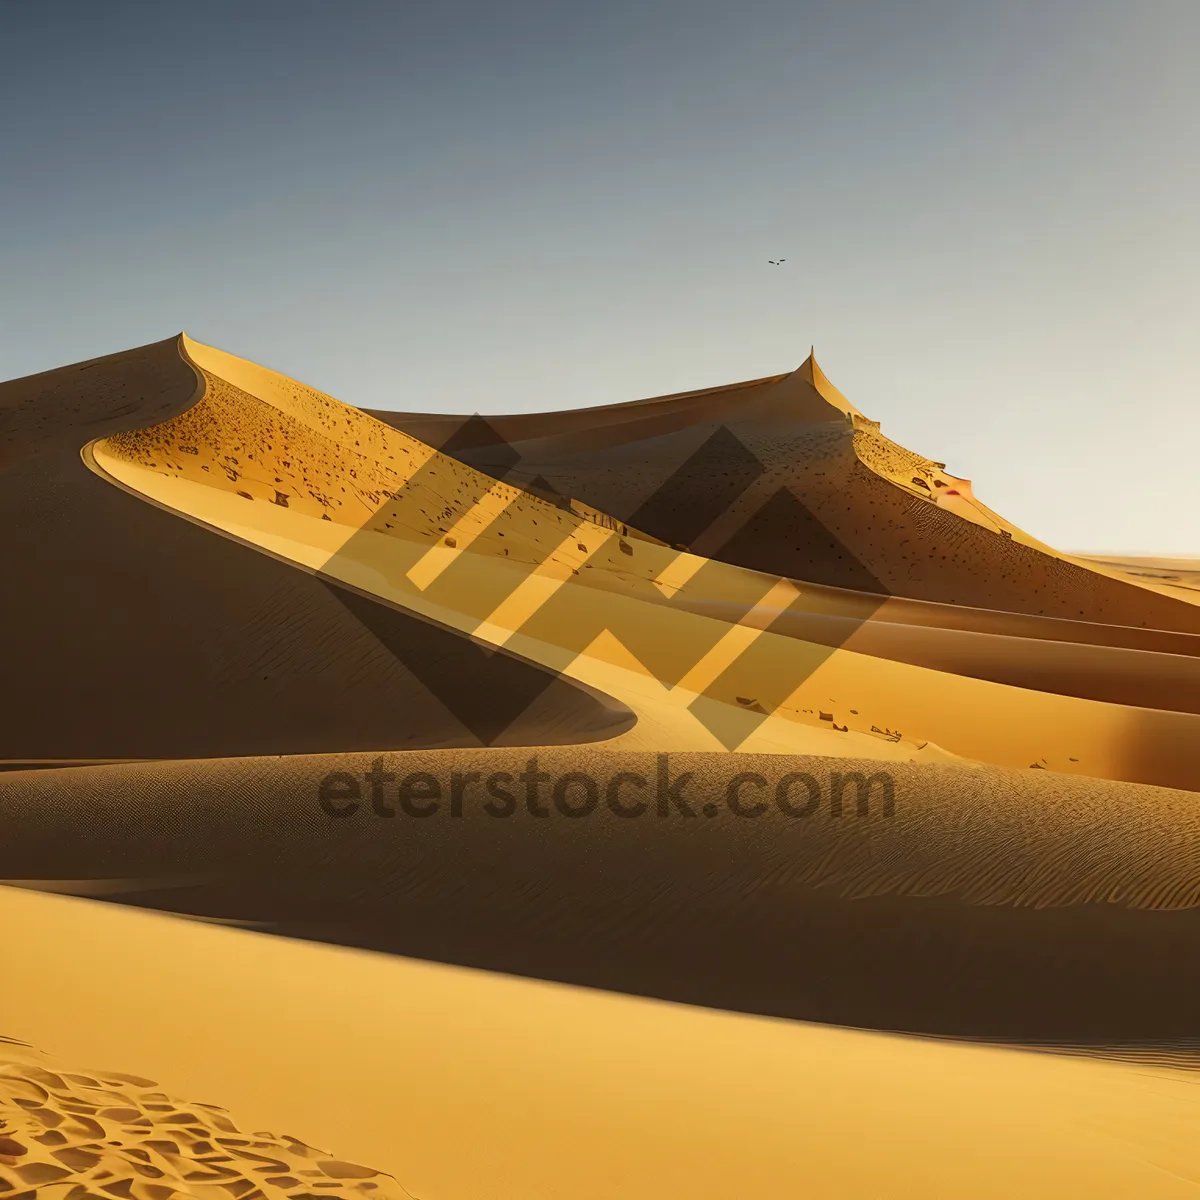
(1164, 679)
(705, 653)
(941, 900)
(133, 634)
(57, 411)
(783, 475)
(468, 1084)
(929, 812)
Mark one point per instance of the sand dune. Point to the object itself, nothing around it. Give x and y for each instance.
(785, 475)
(1174, 576)
(1034, 658)
(926, 904)
(626, 617)
(477, 1086)
(179, 644)
(277, 656)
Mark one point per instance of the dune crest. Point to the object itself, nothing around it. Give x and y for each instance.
(891, 758)
(316, 483)
(812, 490)
(180, 644)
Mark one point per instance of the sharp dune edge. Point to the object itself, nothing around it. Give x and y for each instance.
(887, 519)
(247, 585)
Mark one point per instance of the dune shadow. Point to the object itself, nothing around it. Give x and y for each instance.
(933, 910)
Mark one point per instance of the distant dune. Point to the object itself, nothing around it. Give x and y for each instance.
(707, 655)
(1173, 576)
(289, 673)
(785, 475)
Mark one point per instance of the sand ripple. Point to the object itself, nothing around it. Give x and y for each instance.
(70, 1136)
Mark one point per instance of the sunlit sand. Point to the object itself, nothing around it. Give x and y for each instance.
(972, 977)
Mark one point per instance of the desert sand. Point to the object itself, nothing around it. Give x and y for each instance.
(127, 593)
(263, 460)
(72, 1133)
(785, 475)
(473, 1084)
(1174, 576)
(971, 975)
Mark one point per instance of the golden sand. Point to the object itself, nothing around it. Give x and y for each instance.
(824, 496)
(69, 1133)
(1175, 576)
(324, 486)
(237, 572)
(477, 1086)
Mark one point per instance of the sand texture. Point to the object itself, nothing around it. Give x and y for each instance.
(701, 796)
(786, 476)
(73, 1134)
(154, 614)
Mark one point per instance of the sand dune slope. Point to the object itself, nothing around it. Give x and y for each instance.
(784, 475)
(136, 635)
(468, 1085)
(1175, 576)
(631, 801)
(939, 899)
(272, 464)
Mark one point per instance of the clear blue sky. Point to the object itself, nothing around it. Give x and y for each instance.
(989, 214)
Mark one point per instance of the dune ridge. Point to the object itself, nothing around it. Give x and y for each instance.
(929, 899)
(182, 645)
(815, 492)
(434, 537)
(930, 872)
(545, 1091)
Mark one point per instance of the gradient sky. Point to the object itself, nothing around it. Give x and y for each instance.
(990, 214)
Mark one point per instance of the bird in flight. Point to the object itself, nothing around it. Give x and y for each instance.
(776, 261)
